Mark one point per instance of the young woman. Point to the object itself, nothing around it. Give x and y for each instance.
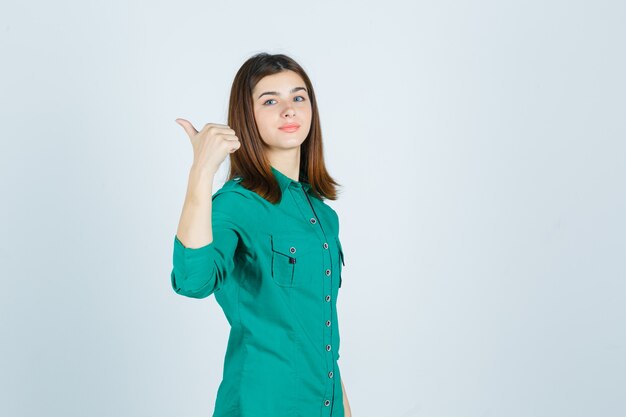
(267, 246)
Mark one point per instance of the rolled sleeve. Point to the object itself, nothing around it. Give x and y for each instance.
(199, 272)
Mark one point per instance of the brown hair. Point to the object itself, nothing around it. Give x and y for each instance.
(250, 162)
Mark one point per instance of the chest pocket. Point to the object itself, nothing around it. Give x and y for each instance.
(341, 261)
(293, 260)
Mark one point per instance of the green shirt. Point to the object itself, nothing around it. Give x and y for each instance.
(275, 271)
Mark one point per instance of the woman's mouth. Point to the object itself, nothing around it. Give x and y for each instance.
(289, 128)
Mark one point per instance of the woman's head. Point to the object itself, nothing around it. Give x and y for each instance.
(268, 92)
(282, 100)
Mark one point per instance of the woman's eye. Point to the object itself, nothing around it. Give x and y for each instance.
(271, 99)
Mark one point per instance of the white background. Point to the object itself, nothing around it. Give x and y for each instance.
(481, 149)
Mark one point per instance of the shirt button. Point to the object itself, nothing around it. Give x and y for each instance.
(326, 403)
(292, 249)
(313, 221)
(327, 323)
(330, 374)
(328, 272)
(328, 298)
(328, 348)
(325, 245)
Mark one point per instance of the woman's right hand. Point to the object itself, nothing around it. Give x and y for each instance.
(211, 144)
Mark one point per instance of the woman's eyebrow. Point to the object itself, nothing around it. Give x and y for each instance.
(274, 93)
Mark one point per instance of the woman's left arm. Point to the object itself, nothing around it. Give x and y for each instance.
(346, 404)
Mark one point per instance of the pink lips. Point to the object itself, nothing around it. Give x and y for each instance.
(289, 128)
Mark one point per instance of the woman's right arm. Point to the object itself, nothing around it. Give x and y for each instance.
(200, 264)
(194, 226)
(210, 145)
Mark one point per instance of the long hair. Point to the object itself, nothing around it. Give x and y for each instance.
(250, 162)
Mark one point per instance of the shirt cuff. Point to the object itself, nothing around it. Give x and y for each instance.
(193, 274)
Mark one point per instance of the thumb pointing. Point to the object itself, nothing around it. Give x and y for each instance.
(191, 131)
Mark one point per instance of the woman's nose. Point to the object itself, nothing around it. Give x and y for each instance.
(289, 110)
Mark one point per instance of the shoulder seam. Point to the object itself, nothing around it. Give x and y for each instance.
(233, 189)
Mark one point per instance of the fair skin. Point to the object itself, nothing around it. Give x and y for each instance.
(280, 99)
(285, 104)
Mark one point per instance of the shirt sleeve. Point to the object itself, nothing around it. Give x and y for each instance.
(199, 272)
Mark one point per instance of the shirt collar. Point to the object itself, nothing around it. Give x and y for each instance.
(284, 181)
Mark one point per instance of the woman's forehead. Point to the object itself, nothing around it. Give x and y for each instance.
(281, 83)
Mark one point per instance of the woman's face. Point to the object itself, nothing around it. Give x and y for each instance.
(282, 99)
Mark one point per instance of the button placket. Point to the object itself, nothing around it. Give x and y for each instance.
(328, 288)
